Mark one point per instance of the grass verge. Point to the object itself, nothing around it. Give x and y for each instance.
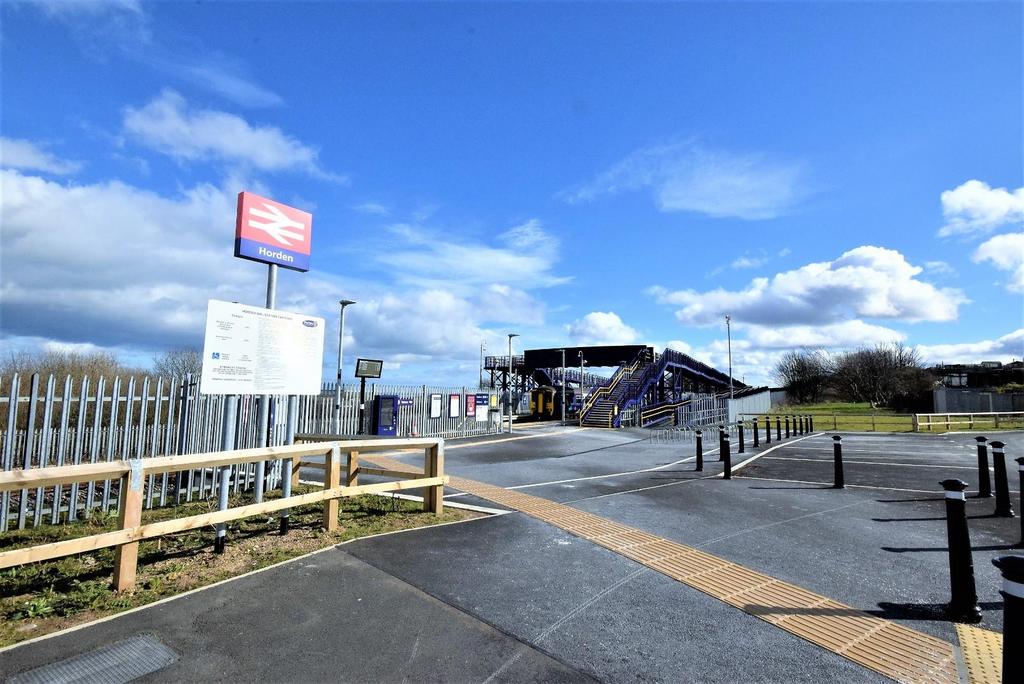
(40, 598)
(862, 417)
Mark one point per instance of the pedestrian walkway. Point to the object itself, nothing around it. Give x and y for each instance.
(881, 645)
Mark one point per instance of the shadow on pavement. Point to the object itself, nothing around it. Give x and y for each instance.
(911, 549)
(889, 611)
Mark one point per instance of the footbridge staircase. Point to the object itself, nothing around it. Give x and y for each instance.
(657, 385)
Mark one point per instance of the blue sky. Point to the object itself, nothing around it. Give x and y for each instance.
(830, 174)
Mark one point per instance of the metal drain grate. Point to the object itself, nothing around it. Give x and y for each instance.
(982, 651)
(120, 662)
(888, 648)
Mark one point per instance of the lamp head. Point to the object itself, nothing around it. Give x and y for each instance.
(345, 302)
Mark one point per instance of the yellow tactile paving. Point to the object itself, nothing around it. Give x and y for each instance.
(888, 648)
(982, 651)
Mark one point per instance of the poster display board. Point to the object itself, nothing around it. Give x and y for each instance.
(471, 406)
(481, 408)
(453, 405)
(252, 350)
(435, 405)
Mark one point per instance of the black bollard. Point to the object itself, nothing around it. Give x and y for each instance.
(753, 428)
(837, 463)
(1012, 568)
(700, 450)
(1020, 485)
(1003, 507)
(810, 423)
(778, 429)
(963, 602)
(798, 427)
(767, 430)
(727, 458)
(787, 427)
(721, 442)
(739, 427)
(984, 481)
(803, 425)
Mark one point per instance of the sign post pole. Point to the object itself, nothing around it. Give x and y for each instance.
(362, 405)
(263, 417)
(366, 368)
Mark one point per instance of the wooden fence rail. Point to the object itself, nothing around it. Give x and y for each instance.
(133, 474)
(925, 421)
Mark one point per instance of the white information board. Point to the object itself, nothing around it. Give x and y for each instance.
(252, 350)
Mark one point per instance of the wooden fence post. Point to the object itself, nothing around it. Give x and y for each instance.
(433, 497)
(332, 479)
(352, 470)
(127, 555)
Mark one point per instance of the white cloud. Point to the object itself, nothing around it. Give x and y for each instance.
(1005, 348)
(687, 177)
(221, 79)
(372, 208)
(749, 262)
(842, 335)
(89, 7)
(868, 281)
(168, 125)
(975, 207)
(102, 28)
(26, 155)
(1006, 252)
(525, 256)
(601, 327)
(114, 275)
(939, 268)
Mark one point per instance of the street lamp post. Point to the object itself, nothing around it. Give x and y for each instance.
(341, 357)
(563, 385)
(508, 382)
(728, 333)
(483, 346)
(581, 387)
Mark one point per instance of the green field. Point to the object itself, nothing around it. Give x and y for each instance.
(861, 417)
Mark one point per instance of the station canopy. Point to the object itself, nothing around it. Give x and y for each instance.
(594, 356)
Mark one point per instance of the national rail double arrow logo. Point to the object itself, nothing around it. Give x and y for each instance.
(276, 224)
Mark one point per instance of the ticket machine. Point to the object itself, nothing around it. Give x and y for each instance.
(384, 420)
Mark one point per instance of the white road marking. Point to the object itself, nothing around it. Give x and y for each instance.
(884, 463)
(850, 486)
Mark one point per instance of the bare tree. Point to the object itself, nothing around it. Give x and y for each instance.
(61, 364)
(179, 362)
(804, 373)
(888, 375)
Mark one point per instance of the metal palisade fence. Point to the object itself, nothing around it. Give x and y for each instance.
(49, 421)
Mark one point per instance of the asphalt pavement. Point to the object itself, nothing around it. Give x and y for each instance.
(509, 598)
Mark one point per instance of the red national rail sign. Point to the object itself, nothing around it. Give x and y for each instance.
(272, 233)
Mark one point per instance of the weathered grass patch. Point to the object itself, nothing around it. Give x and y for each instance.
(862, 417)
(39, 598)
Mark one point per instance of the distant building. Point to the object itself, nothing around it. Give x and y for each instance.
(979, 375)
